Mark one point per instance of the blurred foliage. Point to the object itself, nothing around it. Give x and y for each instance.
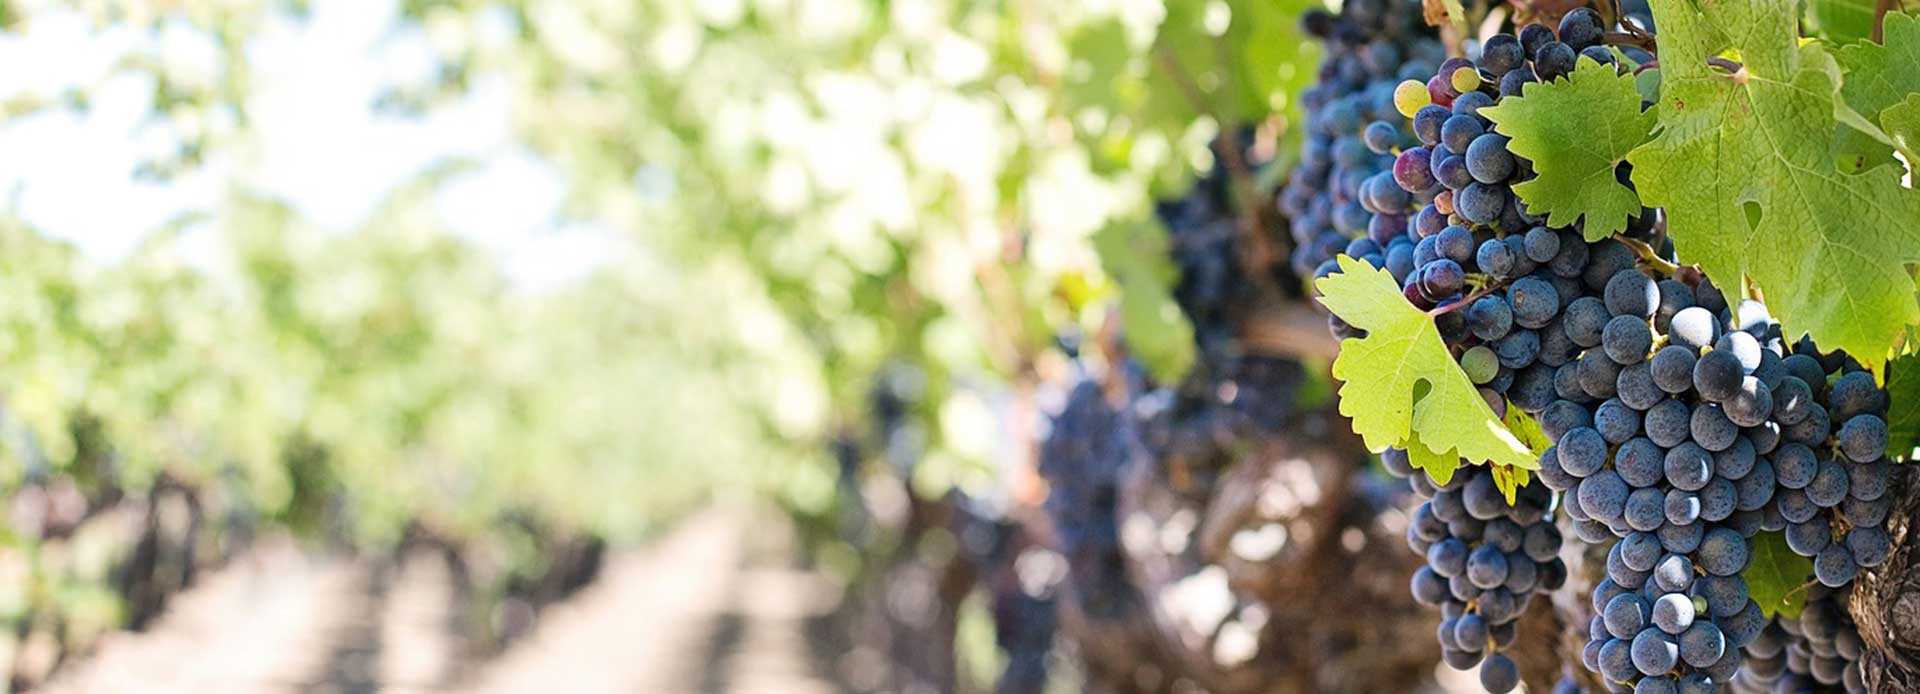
(811, 192)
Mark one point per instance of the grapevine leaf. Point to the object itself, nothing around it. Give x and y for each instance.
(1902, 123)
(1841, 20)
(1527, 429)
(1509, 480)
(1880, 75)
(1903, 407)
(1777, 577)
(1440, 467)
(1647, 83)
(1157, 332)
(1741, 163)
(1400, 381)
(1577, 131)
(1523, 426)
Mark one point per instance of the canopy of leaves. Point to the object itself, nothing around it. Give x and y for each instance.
(1741, 162)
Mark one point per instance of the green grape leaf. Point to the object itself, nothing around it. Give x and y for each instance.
(1400, 381)
(1577, 131)
(1877, 77)
(1134, 253)
(1902, 124)
(1647, 83)
(1439, 466)
(1776, 577)
(1527, 430)
(1741, 163)
(1903, 407)
(1840, 20)
(1509, 480)
(1882, 74)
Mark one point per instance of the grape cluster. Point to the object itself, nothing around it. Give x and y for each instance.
(1486, 560)
(1818, 650)
(1083, 456)
(1681, 426)
(1203, 233)
(1671, 414)
(1370, 46)
(1833, 481)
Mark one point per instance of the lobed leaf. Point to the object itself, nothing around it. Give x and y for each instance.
(1741, 162)
(1400, 385)
(1577, 131)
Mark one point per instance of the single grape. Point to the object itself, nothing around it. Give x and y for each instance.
(1581, 28)
(1480, 203)
(1668, 423)
(1693, 327)
(1495, 258)
(1723, 552)
(1711, 428)
(1654, 653)
(1626, 339)
(1625, 615)
(1501, 53)
(1673, 613)
(1869, 546)
(1702, 645)
(1717, 375)
(1855, 393)
(1498, 674)
(1410, 97)
(1583, 451)
(1835, 566)
(1863, 438)
(1488, 159)
(1381, 137)
(1489, 317)
(1630, 293)
(1586, 320)
(1673, 368)
(1688, 466)
(1534, 301)
(1459, 131)
(1616, 422)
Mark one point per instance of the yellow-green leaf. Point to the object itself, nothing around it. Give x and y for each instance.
(1400, 381)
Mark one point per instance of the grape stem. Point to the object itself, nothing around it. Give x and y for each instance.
(1735, 70)
(1472, 296)
(1628, 38)
(1648, 255)
(1880, 10)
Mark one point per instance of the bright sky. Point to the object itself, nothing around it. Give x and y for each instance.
(317, 141)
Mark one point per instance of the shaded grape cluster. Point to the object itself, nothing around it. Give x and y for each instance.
(1085, 452)
(1486, 560)
(1818, 650)
(1371, 45)
(1203, 235)
(1833, 472)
